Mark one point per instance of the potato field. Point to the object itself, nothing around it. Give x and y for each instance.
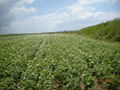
(58, 62)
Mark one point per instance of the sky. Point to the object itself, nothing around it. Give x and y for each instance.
(37, 16)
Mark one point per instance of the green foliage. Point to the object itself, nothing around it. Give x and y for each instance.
(57, 62)
(105, 31)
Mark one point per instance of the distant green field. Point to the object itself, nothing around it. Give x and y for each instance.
(58, 62)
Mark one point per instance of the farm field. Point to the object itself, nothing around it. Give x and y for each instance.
(58, 62)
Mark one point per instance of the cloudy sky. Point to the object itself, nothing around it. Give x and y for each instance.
(35, 16)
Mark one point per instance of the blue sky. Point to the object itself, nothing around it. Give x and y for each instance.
(35, 16)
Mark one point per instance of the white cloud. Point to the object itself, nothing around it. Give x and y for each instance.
(45, 23)
(3, 1)
(19, 1)
(21, 11)
(18, 7)
(29, 1)
(80, 12)
(105, 16)
(85, 2)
